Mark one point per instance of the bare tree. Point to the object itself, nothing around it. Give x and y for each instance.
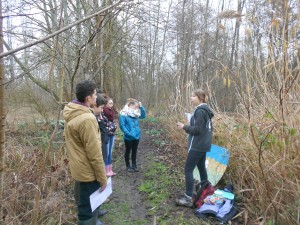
(2, 112)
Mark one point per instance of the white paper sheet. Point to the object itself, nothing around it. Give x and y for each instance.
(188, 116)
(97, 198)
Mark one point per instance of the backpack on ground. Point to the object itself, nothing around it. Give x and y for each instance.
(203, 189)
(223, 209)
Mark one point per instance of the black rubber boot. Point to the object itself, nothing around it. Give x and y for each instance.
(101, 212)
(92, 221)
(135, 169)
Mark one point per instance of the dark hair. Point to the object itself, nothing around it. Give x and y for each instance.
(85, 88)
(106, 96)
(201, 95)
(100, 100)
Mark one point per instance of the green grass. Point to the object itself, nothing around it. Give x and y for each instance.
(157, 185)
(153, 132)
(119, 134)
(120, 214)
(160, 180)
(151, 119)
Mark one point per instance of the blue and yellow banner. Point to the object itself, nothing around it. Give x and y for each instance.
(216, 163)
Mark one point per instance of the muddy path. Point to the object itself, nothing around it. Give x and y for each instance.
(127, 204)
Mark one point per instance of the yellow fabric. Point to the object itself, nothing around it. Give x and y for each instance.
(83, 144)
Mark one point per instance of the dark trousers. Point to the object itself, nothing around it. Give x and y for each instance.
(83, 190)
(131, 147)
(194, 159)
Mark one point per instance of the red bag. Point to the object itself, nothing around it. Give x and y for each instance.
(203, 189)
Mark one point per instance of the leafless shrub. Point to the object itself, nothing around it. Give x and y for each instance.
(38, 105)
(37, 183)
(263, 139)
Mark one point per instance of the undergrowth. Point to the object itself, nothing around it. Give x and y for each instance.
(264, 162)
(38, 187)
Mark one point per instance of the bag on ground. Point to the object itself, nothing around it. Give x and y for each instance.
(203, 189)
(220, 205)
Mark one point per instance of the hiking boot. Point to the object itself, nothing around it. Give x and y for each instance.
(129, 169)
(185, 200)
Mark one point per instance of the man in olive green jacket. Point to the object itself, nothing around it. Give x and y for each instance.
(84, 149)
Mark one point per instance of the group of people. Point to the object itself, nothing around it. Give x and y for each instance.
(89, 137)
(90, 154)
(105, 116)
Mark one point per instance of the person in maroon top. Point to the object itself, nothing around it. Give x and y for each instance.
(109, 112)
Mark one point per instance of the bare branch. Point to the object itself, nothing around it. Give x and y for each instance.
(59, 31)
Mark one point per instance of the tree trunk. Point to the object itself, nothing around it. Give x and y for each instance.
(2, 112)
(235, 42)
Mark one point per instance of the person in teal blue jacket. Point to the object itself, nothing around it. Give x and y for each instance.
(129, 124)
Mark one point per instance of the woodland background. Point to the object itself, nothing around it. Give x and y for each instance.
(244, 53)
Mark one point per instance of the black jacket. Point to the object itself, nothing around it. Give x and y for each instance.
(103, 128)
(104, 134)
(200, 129)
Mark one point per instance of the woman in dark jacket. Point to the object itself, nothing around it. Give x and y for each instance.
(199, 142)
(102, 122)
